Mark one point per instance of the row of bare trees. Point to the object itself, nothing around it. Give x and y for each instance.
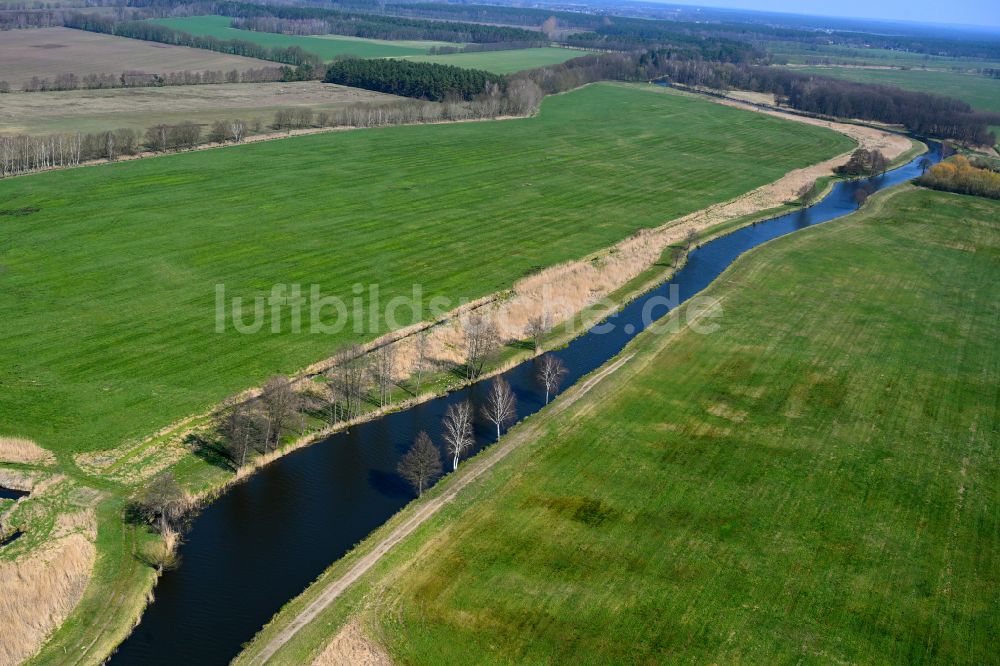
(521, 98)
(422, 463)
(257, 425)
(24, 153)
(249, 426)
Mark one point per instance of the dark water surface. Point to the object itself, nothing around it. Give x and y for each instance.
(10, 493)
(265, 540)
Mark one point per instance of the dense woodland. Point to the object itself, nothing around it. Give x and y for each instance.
(959, 175)
(413, 79)
(374, 26)
(923, 113)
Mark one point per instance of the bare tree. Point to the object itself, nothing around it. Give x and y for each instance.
(355, 380)
(335, 396)
(501, 404)
(237, 130)
(281, 404)
(925, 164)
(879, 163)
(458, 430)
(807, 193)
(482, 340)
(550, 373)
(383, 369)
(243, 429)
(690, 239)
(537, 328)
(421, 464)
(219, 132)
(162, 502)
(423, 350)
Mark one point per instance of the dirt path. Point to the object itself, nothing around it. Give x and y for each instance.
(419, 517)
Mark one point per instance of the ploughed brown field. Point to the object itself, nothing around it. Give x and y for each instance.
(48, 52)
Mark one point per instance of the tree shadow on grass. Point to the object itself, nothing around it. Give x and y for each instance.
(211, 451)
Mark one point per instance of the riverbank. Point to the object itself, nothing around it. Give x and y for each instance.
(170, 450)
(298, 614)
(547, 465)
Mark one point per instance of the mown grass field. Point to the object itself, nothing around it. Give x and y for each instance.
(48, 52)
(504, 62)
(139, 108)
(981, 92)
(110, 272)
(815, 481)
(326, 47)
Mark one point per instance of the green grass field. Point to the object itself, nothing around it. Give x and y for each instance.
(326, 47)
(814, 482)
(505, 62)
(110, 272)
(981, 92)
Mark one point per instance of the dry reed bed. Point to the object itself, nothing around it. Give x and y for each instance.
(43, 580)
(41, 588)
(24, 451)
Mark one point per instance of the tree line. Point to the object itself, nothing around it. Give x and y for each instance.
(22, 153)
(923, 113)
(141, 79)
(363, 381)
(409, 78)
(154, 32)
(958, 174)
(485, 48)
(379, 26)
(864, 162)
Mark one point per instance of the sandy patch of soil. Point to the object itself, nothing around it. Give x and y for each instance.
(350, 647)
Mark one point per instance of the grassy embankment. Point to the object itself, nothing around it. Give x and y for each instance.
(814, 480)
(112, 269)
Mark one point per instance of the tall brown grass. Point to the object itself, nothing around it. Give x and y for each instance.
(21, 450)
(38, 591)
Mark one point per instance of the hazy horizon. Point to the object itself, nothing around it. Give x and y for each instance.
(971, 13)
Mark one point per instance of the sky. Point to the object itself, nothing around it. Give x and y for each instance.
(969, 12)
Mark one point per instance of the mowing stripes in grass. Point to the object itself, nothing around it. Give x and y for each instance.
(109, 288)
(817, 481)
